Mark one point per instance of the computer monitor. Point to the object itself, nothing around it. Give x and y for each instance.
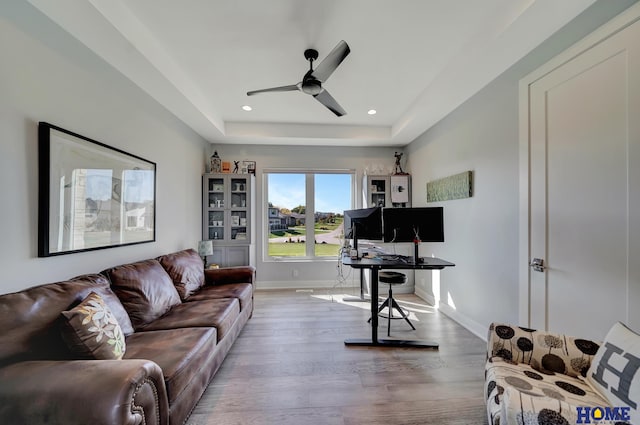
(365, 223)
(403, 224)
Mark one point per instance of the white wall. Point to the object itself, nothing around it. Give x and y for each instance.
(46, 75)
(481, 233)
(319, 273)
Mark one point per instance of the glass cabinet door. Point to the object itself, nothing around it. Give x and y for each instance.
(216, 224)
(216, 198)
(216, 193)
(378, 192)
(238, 211)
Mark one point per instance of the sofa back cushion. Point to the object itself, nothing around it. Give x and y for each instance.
(615, 370)
(30, 325)
(145, 290)
(186, 270)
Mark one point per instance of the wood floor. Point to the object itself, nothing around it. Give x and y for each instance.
(290, 367)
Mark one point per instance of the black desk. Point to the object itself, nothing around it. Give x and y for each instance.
(375, 265)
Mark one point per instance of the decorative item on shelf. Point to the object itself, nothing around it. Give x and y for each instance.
(249, 167)
(226, 167)
(398, 167)
(205, 248)
(400, 188)
(236, 165)
(213, 266)
(216, 163)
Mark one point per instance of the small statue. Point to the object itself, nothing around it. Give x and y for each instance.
(398, 170)
(235, 166)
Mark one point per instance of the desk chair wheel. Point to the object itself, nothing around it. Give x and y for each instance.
(392, 278)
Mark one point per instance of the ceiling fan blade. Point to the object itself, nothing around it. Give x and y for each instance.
(331, 62)
(291, 87)
(327, 100)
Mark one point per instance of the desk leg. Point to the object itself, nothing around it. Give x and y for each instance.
(374, 305)
(374, 341)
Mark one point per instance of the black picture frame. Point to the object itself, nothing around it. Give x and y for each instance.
(91, 196)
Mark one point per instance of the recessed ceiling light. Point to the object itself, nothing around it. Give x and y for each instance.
(246, 108)
(372, 112)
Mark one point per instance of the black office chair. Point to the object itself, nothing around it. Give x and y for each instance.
(392, 278)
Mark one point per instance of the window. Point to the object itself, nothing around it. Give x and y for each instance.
(304, 211)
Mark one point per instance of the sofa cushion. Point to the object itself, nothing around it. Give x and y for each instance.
(518, 393)
(242, 291)
(186, 270)
(30, 319)
(218, 313)
(180, 353)
(615, 370)
(145, 290)
(92, 332)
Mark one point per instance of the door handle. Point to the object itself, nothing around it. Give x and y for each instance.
(537, 264)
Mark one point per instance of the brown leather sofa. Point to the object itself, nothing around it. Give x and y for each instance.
(179, 322)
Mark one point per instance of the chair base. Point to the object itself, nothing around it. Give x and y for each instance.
(392, 304)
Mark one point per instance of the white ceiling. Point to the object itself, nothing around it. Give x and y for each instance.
(413, 61)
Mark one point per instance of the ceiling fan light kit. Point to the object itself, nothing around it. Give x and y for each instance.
(312, 81)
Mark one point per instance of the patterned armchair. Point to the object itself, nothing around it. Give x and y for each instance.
(534, 377)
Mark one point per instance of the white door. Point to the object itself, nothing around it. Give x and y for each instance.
(584, 190)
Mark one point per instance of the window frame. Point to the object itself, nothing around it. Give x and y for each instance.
(309, 210)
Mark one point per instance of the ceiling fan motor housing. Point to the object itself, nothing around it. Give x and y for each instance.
(311, 86)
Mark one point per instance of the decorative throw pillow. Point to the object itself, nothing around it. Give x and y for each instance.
(92, 332)
(615, 370)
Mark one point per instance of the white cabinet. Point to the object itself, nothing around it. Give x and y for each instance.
(228, 213)
(386, 191)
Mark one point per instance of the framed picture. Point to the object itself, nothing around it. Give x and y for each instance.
(249, 167)
(91, 196)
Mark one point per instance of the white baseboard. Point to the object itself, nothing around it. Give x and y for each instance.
(426, 296)
(298, 284)
(471, 325)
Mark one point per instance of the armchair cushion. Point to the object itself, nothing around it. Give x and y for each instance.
(543, 351)
(518, 393)
(92, 332)
(615, 370)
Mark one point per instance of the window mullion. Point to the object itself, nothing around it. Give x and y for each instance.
(310, 215)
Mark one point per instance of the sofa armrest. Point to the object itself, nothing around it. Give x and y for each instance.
(78, 392)
(544, 351)
(238, 274)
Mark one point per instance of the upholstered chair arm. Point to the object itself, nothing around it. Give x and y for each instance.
(238, 274)
(80, 392)
(544, 351)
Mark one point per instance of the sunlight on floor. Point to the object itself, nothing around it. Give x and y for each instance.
(410, 307)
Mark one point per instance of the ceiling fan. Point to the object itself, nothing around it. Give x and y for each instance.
(312, 81)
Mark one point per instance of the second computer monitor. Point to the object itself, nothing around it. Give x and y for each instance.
(404, 224)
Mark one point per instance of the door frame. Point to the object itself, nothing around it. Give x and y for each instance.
(615, 25)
